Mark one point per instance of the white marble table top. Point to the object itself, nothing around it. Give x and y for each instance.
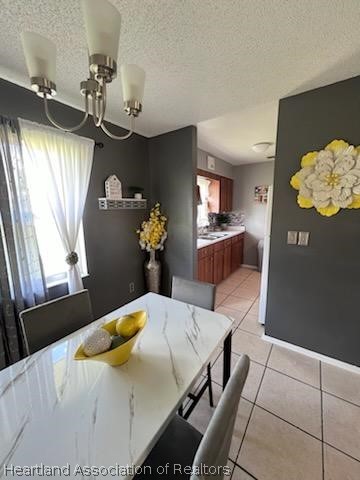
(55, 411)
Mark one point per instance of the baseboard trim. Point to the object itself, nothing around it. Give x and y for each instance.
(310, 353)
(251, 267)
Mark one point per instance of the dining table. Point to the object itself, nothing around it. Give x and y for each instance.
(86, 419)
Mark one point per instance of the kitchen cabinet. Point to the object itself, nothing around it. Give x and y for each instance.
(226, 194)
(206, 264)
(220, 192)
(227, 258)
(237, 247)
(216, 262)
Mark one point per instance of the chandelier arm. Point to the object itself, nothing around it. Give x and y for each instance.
(124, 137)
(66, 129)
(97, 111)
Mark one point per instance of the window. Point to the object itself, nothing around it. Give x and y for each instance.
(51, 249)
(203, 208)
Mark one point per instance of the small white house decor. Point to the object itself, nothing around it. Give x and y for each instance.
(113, 190)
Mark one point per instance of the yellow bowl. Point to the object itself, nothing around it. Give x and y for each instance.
(119, 355)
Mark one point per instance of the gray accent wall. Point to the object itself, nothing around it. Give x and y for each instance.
(246, 177)
(173, 173)
(222, 168)
(113, 254)
(314, 291)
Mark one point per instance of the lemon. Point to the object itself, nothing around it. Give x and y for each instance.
(127, 326)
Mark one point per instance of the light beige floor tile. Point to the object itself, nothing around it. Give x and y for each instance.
(232, 281)
(257, 349)
(237, 303)
(341, 425)
(239, 474)
(251, 324)
(227, 288)
(219, 298)
(202, 413)
(341, 382)
(241, 421)
(254, 310)
(243, 292)
(338, 466)
(253, 380)
(292, 401)
(275, 450)
(295, 365)
(235, 315)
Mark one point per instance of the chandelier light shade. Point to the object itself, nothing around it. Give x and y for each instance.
(133, 83)
(40, 57)
(102, 25)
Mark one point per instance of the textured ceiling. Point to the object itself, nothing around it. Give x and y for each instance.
(203, 58)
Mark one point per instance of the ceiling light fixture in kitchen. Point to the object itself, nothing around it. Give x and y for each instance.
(261, 147)
(102, 24)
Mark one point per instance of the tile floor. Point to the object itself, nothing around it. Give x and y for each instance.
(299, 418)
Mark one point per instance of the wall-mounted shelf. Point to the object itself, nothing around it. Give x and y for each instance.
(123, 204)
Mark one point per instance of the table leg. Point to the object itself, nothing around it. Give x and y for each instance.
(227, 359)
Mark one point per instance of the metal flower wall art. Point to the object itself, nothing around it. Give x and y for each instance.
(329, 179)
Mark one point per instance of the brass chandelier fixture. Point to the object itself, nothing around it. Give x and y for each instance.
(102, 24)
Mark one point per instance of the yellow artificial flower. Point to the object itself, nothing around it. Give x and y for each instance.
(328, 211)
(337, 145)
(355, 203)
(308, 160)
(304, 202)
(295, 181)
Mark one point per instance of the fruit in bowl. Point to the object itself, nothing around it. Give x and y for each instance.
(114, 340)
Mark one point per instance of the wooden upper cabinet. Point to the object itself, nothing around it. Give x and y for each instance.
(226, 194)
(220, 192)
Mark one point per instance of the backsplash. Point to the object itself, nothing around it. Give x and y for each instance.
(236, 219)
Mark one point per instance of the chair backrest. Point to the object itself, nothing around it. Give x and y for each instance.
(197, 293)
(51, 321)
(214, 448)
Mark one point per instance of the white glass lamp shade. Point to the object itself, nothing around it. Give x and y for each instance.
(40, 55)
(133, 82)
(102, 25)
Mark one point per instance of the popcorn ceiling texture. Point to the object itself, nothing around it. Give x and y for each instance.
(203, 58)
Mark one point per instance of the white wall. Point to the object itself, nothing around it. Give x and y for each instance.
(246, 177)
(222, 168)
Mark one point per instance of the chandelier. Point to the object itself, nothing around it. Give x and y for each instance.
(102, 24)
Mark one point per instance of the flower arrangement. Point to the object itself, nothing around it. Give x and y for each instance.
(152, 234)
(329, 179)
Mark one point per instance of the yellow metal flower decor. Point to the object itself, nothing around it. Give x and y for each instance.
(329, 179)
(152, 236)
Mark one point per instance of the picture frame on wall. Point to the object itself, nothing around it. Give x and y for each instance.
(261, 193)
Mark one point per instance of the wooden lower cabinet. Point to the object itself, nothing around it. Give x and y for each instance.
(216, 262)
(227, 258)
(218, 265)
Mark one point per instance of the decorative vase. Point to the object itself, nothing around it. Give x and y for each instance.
(223, 226)
(152, 268)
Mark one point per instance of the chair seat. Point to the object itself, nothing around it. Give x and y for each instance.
(177, 445)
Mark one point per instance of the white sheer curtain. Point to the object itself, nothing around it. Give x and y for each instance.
(65, 162)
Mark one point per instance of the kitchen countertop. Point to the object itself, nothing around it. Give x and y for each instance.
(229, 233)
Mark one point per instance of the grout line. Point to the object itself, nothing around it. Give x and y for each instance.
(252, 411)
(322, 425)
(243, 469)
(341, 451)
(289, 423)
(340, 398)
(293, 378)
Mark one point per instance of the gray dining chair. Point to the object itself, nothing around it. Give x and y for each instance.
(202, 295)
(51, 321)
(182, 445)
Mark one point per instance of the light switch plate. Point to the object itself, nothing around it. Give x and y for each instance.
(292, 237)
(303, 239)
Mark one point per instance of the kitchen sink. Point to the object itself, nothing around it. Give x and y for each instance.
(218, 235)
(206, 237)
